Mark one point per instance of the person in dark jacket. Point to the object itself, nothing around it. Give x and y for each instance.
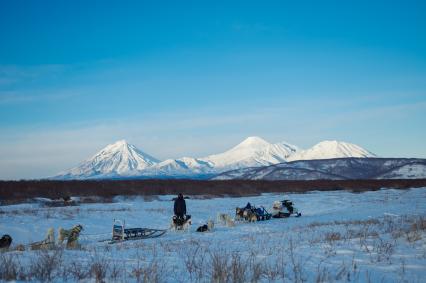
(180, 207)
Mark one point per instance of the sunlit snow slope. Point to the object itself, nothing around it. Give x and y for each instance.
(253, 151)
(117, 159)
(331, 149)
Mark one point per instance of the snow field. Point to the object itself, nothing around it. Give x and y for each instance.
(374, 236)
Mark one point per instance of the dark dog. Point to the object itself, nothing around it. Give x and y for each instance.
(203, 228)
(206, 227)
(181, 223)
(5, 242)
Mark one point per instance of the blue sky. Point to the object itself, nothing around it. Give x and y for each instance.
(196, 77)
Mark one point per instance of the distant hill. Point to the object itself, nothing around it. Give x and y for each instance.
(334, 169)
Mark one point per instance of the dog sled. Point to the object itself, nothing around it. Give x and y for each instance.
(120, 233)
(262, 214)
(284, 209)
(252, 213)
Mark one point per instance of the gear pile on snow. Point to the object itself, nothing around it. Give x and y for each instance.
(280, 209)
(252, 213)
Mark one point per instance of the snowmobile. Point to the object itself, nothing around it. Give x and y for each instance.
(284, 209)
(120, 233)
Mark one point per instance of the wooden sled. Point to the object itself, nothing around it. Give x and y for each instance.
(121, 234)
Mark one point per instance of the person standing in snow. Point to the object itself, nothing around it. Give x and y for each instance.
(180, 207)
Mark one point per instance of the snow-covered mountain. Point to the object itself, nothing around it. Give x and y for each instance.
(121, 159)
(115, 160)
(331, 149)
(124, 160)
(185, 166)
(252, 152)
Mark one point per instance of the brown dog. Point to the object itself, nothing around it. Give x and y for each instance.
(239, 214)
(249, 215)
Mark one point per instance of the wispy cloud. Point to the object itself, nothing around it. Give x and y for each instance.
(21, 84)
(19, 97)
(14, 74)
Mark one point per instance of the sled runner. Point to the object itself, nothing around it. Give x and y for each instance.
(120, 233)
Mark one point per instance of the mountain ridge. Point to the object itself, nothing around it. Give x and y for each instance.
(348, 168)
(122, 159)
(331, 149)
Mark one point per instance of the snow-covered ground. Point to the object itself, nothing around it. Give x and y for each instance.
(377, 236)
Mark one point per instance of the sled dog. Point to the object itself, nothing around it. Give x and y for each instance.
(71, 235)
(210, 225)
(206, 227)
(249, 215)
(225, 219)
(221, 218)
(5, 242)
(239, 214)
(181, 224)
(229, 222)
